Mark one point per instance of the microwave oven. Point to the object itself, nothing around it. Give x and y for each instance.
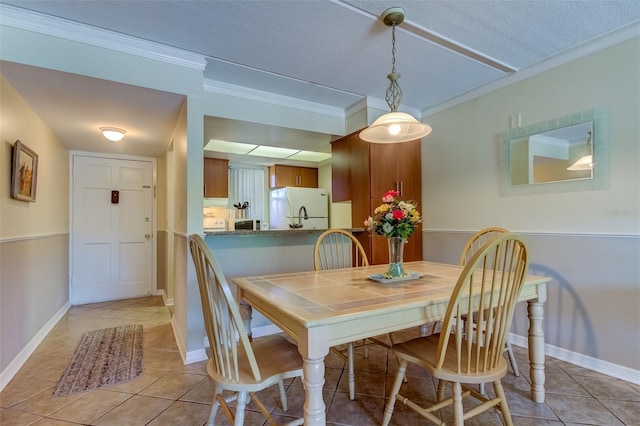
(245, 224)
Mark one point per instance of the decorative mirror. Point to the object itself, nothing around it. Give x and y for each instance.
(569, 153)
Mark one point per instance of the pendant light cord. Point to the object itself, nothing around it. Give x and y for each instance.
(394, 92)
(393, 47)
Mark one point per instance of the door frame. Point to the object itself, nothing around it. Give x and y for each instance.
(154, 210)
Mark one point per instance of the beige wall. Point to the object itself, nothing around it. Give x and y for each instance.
(460, 157)
(50, 213)
(574, 237)
(34, 252)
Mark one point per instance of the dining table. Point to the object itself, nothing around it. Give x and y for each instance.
(322, 309)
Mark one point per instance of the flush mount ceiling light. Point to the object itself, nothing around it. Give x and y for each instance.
(113, 133)
(585, 162)
(395, 126)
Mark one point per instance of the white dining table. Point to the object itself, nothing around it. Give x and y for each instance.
(321, 309)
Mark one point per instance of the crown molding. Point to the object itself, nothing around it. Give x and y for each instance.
(357, 107)
(214, 86)
(56, 27)
(562, 58)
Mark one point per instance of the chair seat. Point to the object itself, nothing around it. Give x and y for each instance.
(423, 351)
(276, 357)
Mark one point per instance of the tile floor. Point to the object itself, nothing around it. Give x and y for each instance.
(170, 393)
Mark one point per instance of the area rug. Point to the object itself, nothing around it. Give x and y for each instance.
(103, 358)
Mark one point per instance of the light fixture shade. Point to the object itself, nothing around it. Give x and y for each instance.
(395, 127)
(583, 163)
(113, 133)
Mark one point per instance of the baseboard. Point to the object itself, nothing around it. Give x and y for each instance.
(604, 367)
(182, 346)
(188, 357)
(196, 356)
(22, 357)
(165, 300)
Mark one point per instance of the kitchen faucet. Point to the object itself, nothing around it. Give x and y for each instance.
(306, 216)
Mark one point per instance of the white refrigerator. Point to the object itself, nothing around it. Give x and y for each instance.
(306, 206)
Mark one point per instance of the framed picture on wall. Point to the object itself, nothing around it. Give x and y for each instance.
(24, 173)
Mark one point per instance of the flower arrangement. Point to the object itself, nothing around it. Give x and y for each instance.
(394, 217)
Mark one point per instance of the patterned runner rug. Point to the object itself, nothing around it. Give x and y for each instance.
(103, 358)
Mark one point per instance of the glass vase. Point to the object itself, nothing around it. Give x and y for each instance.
(396, 253)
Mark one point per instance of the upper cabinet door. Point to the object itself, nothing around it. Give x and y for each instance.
(281, 176)
(216, 178)
(384, 169)
(396, 167)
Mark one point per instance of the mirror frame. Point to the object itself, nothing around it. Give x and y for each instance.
(600, 143)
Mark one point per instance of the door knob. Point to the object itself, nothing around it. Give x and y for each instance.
(147, 236)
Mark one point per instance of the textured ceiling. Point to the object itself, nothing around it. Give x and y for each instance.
(337, 53)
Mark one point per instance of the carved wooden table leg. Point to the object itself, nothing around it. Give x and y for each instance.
(536, 349)
(314, 347)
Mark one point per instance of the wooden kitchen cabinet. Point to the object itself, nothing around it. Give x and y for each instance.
(363, 173)
(216, 178)
(281, 176)
(396, 166)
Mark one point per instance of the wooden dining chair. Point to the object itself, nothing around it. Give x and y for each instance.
(337, 248)
(490, 284)
(236, 365)
(475, 242)
(334, 249)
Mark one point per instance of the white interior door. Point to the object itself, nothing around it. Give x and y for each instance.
(112, 232)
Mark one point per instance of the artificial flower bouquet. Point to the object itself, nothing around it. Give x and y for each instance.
(394, 217)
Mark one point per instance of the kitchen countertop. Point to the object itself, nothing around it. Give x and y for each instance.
(243, 232)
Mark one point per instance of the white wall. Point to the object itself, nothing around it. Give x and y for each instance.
(592, 254)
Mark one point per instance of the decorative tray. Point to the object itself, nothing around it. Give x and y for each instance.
(381, 279)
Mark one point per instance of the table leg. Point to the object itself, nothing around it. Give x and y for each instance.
(314, 347)
(536, 349)
(246, 314)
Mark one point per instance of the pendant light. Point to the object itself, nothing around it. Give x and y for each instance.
(394, 126)
(585, 162)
